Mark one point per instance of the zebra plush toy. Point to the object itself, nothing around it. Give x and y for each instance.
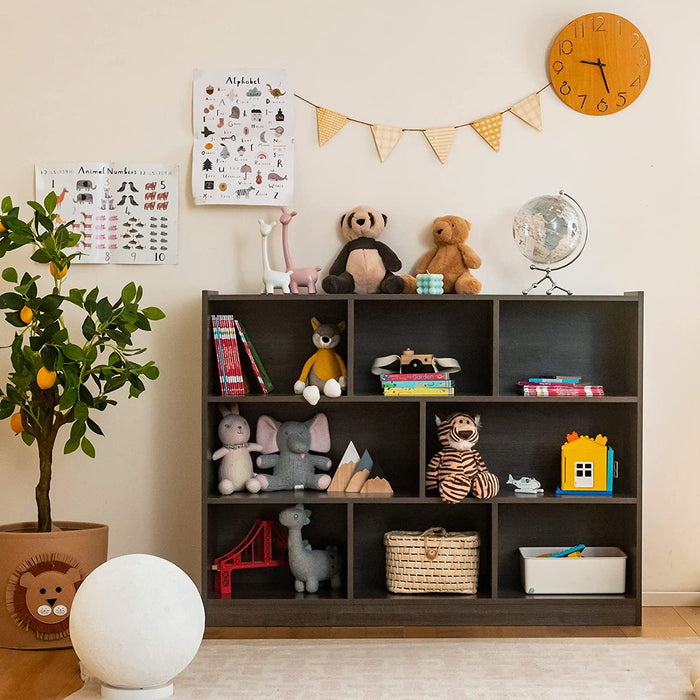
(458, 469)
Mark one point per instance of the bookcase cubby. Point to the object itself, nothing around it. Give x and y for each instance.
(498, 341)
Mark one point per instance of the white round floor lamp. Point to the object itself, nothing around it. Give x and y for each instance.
(136, 622)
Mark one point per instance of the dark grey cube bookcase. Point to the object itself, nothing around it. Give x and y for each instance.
(498, 340)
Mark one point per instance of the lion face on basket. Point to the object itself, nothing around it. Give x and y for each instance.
(50, 594)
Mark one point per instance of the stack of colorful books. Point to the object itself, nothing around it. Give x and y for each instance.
(238, 363)
(420, 384)
(559, 385)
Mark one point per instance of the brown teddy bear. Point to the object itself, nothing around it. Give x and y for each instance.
(364, 265)
(452, 258)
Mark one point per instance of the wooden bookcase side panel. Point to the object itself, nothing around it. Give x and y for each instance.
(564, 525)
(525, 439)
(461, 331)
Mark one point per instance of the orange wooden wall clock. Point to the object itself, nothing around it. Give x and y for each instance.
(599, 63)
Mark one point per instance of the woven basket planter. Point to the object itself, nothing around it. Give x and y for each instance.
(434, 561)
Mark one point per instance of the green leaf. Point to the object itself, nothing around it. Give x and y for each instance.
(94, 427)
(68, 398)
(153, 313)
(80, 411)
(50, 201)
(10, 300)
(73, 352)
(88, 328)
(128, 293)
(50, 302)
(76, 296)
(6, 204)
(37, 207)
(151, 372)
(77, 430)
(48, 356)
(87, 447)
(27, 438)
(40, 256)
(71, 445)
(9, 274)
(104, 310)
(7, 408)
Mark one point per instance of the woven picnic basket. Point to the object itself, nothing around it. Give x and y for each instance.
(434, 561)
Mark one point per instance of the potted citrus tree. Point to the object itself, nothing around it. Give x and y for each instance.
(63, 374)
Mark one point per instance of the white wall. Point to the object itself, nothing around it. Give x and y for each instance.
(101, 81)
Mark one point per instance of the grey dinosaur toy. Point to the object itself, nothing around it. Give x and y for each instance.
(309, 566)
(293, 467)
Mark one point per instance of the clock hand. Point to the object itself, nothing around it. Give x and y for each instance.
(602, 72)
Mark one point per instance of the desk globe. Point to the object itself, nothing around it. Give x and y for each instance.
(551, 231)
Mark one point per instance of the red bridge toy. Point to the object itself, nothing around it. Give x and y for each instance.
(262, 547)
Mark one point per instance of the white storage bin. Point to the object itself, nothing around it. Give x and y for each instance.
(597, 570)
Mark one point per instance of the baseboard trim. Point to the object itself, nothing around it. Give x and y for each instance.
(671, 598)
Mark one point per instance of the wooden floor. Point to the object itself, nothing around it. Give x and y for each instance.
(52, 675)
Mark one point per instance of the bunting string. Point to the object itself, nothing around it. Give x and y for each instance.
(440, 138)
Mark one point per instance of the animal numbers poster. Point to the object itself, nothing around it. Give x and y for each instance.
(125, 212)
(243, 137)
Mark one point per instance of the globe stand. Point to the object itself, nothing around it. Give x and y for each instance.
(548, 277)
(548, 270)
(160, 693)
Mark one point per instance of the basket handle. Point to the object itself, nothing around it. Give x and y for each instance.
(431, 554)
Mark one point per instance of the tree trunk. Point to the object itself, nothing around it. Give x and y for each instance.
(45, 444)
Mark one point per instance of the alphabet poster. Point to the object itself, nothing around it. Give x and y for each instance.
(125, 212)
(243, 137)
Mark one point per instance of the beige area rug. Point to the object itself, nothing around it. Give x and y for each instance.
(623, 669)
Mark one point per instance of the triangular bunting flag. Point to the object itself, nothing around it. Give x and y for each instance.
(529, 110)
(329, 124)
(385, 138)
(440, 138)
(489, 128)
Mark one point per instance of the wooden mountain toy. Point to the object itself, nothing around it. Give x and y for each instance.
(345, 470)
(377, 482)
(362, 470)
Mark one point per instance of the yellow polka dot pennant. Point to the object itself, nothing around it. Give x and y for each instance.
(489, 128)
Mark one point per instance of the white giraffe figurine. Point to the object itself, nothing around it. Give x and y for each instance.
(272, 279)
(301, 276)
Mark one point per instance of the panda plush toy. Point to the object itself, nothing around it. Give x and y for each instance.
(365, 265)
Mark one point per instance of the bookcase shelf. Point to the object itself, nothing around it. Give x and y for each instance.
(498, 340)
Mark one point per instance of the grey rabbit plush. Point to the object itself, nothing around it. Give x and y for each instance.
(236, 467)
(293, 467)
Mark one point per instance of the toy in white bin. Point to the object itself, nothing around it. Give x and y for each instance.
(525, 484)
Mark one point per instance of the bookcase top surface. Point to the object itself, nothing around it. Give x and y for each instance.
(626, 296)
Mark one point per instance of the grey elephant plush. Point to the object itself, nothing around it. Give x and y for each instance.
(309, 566)
(293, 467)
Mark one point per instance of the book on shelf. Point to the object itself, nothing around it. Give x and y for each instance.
(428, 391)
(418, 384)
(556, 379)
(572, 390)
(415, 377)
(236, 358)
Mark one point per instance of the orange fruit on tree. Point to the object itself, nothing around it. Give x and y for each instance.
(16, 423)
(2, 227)
(58, 272)
(45, 378)
(26, 314)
